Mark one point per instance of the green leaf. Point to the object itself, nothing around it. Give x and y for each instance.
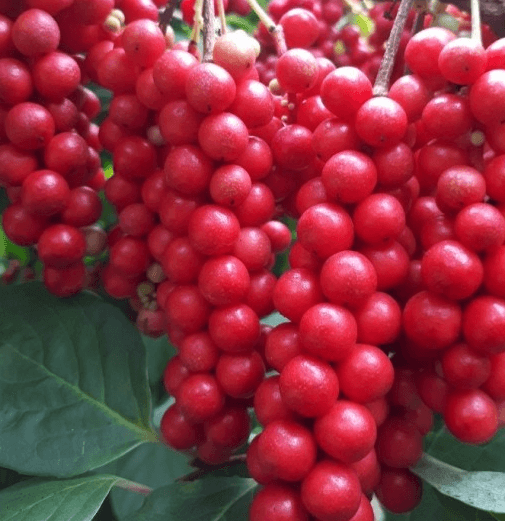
(490, 456)
(154, 465)
(73, 383)
(274, 319)
(437, 507)
(62, 500)
(12, 251)
(482, 490)
(210, 499)
(239, 22)
(159, 351)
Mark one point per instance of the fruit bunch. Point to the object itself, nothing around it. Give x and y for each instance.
(49, 149)
(394, 299)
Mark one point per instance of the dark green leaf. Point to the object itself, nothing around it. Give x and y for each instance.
(437, 507)
(159, 351)
(153, 465)
(491, 456)
(59, 500)
(211, 499)
(484, 490)
(73, 383)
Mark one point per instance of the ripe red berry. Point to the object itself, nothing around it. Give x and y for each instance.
(471, 416)
(484, 324)
(35, 32)
(213, 230)
(432, 321)
(296, 70)
(224, 280)
(235, 328)
(348, 278)
(451, 270)
(277, 502)
(308, 386)
(325, 229)
(399, 490)
(177, 431)
(287, 450)
(29, 126)
(349, 176)
(45, 193)
(344, 90)
(61, 245)
(366, 374)
(331, 491)
(347, 432)
(200, 397)
(328, 331)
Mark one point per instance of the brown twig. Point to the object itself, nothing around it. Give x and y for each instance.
(209, 30)
(166, 15)
(381, 85)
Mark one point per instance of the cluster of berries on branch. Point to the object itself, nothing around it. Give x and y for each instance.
(394, 299)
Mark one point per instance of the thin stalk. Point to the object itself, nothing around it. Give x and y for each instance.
(275, 30)
(476, 24)
(165, 16)
(381, 85)
(198, 22)
(222, 16)
(209, 30)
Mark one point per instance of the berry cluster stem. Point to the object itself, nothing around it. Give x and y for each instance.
(198, 22)
(222, 16)
(381, 85)
(275, 30)
(476, 24)
(165, 16)
(209, 31)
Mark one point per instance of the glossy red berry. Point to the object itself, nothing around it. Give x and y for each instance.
(331, 491)
(347, 432)
(287, 449)
(308, 386)
(471, 416)
(61, 245)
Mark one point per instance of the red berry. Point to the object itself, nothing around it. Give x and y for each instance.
(331, 491)
(308, 386)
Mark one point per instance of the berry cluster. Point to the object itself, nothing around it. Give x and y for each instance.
(394, 298)
(194, 222)
(49, 162)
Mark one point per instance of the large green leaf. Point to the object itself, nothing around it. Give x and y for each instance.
(159, 351)
(490, 456)
(210, 499)
(154, 465)
(73, 383)
(437, 507)
(484, 490)
(59, 500)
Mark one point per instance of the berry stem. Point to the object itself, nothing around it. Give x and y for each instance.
(209, 32)
(198, 22)
(476, 24)
(381, 85)
(165, 16)
(275, 30)
(222, 16)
